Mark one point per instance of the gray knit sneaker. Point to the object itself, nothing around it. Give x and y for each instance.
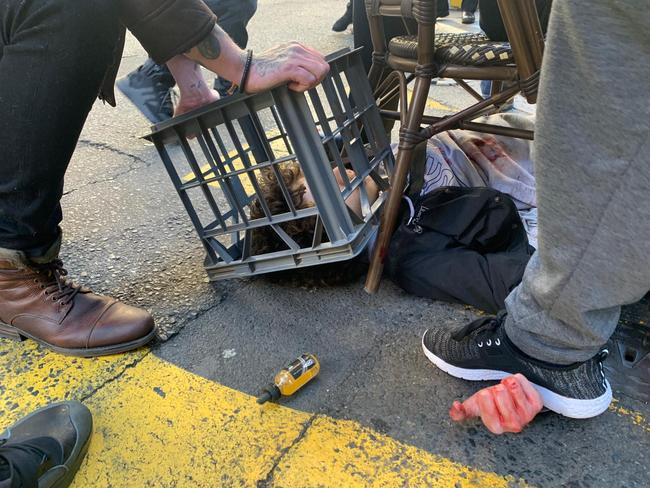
(482, 351)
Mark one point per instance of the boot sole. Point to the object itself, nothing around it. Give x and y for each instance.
(10, 332)
(569, 407)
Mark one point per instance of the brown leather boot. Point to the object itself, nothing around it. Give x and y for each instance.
(39, 302)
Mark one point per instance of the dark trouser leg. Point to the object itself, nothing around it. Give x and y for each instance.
(345, 20)
(591, 165)
(492, 23)
(443, 8)
(233, 17)
(361, 32)
(53, 58)
(393, 26)
(469, 6)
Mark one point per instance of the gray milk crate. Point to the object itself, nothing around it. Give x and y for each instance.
(222, 157)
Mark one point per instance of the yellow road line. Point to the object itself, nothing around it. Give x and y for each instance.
(434, 104)
(163, 426)
(279, 150)
(32, 377)
(158, 425)
(344, 454)
(635, 417)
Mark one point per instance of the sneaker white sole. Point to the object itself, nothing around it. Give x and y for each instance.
(569, 407)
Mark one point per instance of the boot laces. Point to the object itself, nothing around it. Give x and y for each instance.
(57, 284)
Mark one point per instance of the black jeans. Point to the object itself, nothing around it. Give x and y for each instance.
(53, 58)
(233, 17)
(469, 6)
(492, 23)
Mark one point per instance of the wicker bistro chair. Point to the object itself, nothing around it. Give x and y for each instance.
(513, 67)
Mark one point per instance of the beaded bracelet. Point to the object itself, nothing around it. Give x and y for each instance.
(246, 72)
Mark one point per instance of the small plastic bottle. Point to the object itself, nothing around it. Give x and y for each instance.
(290, 379)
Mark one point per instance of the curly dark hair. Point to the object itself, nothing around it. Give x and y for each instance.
(265, 240)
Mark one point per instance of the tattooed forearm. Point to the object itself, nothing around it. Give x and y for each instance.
(210, 47)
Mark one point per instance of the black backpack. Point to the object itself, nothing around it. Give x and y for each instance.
(464, 245)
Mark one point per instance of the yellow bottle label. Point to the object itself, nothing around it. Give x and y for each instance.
(297, 374)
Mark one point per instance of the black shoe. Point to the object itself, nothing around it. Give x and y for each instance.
(482, 351)
(150, 89)
(222, 87)
(468, 18)
(628, 364)
(345, 21)
(45, 449)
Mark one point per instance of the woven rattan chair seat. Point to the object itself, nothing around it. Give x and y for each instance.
(460, 49)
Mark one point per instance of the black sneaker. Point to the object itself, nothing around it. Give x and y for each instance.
(150, 89)
(482, 351)
(45, 449)
(628, 364)
(223, 87)
(345, 21)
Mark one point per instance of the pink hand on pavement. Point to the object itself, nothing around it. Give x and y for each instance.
(506, 407)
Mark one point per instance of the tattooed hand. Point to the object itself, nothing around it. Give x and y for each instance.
(302, 67)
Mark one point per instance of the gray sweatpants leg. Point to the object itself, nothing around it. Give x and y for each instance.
(592, 164)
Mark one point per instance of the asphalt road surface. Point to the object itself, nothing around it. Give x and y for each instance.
(127, 234)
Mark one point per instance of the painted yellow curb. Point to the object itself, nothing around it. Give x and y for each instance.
(31, 377)
(158, 425)
(340, 453)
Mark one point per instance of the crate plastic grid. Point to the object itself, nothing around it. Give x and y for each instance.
(216, 156)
